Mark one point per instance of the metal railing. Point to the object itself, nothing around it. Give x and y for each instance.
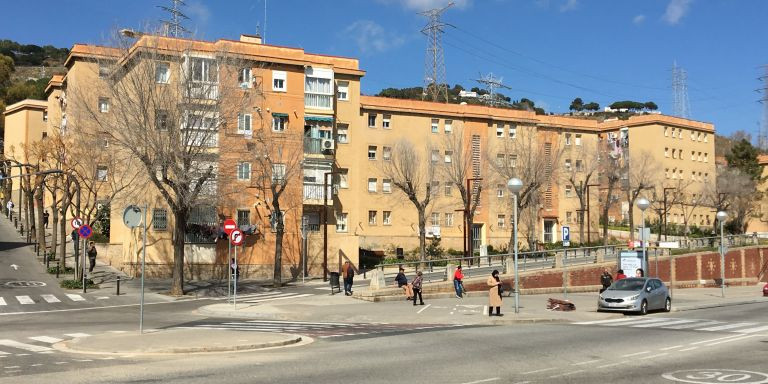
(313, 146)
(714, 241)
(315, 192)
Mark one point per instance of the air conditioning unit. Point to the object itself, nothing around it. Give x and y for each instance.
(328, 144)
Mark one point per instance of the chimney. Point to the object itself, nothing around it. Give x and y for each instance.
(253, 39)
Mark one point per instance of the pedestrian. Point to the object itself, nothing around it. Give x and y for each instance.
(457, 277)
(494, 293)
(639, 273)
(620, 275)
(46, 215)
(417, 289)
(92, 256)
(402, 282)
(234, 269)
(606, 280)
(348, 273)
(10, 209)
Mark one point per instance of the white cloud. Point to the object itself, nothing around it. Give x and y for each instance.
(676, 9)
(639, 19)
(372, 38)
(569, 5)
(422, 5)
(198, 12)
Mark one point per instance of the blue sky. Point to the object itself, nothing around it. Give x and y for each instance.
(549, 51)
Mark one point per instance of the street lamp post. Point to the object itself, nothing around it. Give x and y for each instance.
(721, 217)
(515, 185)
(643, 204)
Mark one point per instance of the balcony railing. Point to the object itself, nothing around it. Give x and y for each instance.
(203, 90)
(313, 146)
(315, 192)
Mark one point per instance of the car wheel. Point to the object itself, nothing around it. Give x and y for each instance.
(668, 305)
(644, 308)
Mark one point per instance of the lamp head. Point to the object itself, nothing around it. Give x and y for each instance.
(515, 185)
(643, 203)
(721, 216)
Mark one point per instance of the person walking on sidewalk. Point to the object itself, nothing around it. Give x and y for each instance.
(494, 293)
(606, 280)
(620, 275)
(348, 273)
(457, 285)
(92, 256)
(10, 209)
(417, 289)
(402, 282)
(46, 215)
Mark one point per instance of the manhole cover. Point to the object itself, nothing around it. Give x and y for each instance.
(24, 284)
(716, 376)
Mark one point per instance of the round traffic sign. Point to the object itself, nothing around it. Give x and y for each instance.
(132, 216)
(229, 226)
(85, 231)
(236, 237)
(76, 223)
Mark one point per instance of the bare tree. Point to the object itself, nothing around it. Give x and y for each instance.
(641, 178)
(412, 175)
(164, 104)
(583, 171)
(736, 193)
(662, 201)
(689, 204)
(459, 169)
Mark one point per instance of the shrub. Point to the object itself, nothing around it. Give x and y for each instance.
(52, 270)
(77, 284)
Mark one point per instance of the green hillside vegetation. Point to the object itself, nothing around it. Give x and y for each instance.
(33, 55)
(500, 100)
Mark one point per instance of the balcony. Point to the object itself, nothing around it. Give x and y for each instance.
(203, 90)
(313, 194)
(315, 146)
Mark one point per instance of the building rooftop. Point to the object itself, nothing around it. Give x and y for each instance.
(26, 104)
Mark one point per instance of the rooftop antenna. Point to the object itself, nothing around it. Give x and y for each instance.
(435, 87)
(680, 104)
(491, 84)
(173, 26)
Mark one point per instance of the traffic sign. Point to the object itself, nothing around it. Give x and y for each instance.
(229, 226)
(566, 236)
(76, 223)
(236, 237)
(85, 231)
(132, 216)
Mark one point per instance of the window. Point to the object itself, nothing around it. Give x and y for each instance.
(512, 131)
(45, 116)
(159, 219)
(512, 161)
(435, 155)
(318, 88)
(500, 157)
(386, 217)
(371, 152)
(665, 131)
(162, 73)
(103, 70)
(386, 153)
(499, 190)
(435, 219)
(343, 177)
(385, 121)
(372, 120)
(435, 125)
(449, 219)
(342, 90)
(371, 217)
(567, 164)
(342, 133)
(204, 70)
(103, 104)
(279, 122)
(373, 184)
(568, 191)
(569, 217)
(244, 78)
(448, 156)
(341, 221)
(501, 221)
(579, 166)
(101, 172)
(699, 157)
(386, 186)
(161, 120)
(448, 189)
(243, 217)
(435, 187)
(693, 155)
(705, 140)
(278, 173)
(666, 152)
(706, 159)
(279, 81)
(693, 135)
(448, 126)
(243, 170)
(577, 140)
(499, 129)
(243, 123)
(680, 134)
(567, 139)
(693, 175)
(666, 173)
(674, 153)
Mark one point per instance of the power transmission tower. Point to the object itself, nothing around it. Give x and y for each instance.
(680, 105)
(173, 26)
(762, 137)
(435, 87)
(491, 84)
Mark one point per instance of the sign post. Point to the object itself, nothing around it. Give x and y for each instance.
(566, 230)
(132, 216)
(85, 232)
(229, 226)
(235, 238)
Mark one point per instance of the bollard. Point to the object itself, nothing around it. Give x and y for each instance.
(58, 269)
(118, 286)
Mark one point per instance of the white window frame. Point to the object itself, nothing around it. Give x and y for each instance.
(448, 190)
(568, 190)
(567, 139)
(501, 221)
(386, 153)
(372, 149)
(243, 171)
(386, 217)
(279, 123)
(343, 178)
(386, 185)
(342, 90)
(449, 220)
(448, 156)
(245, 76)
(278, 173)
(434, 219)
(512, 131)
(577, 139)
(435, 125)
(373, 185)
(102, 173)
(341, 222)
(372, 120)
(372, 217)
(279, 75)
(386, 121)
(244, 123)
(499, 190)
(317, 98)
(166, 78)
(500, 130)
(448, 126)
(342, 134)
(103, 104)
(435, 156)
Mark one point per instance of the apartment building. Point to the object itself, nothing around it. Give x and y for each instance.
(25, 123)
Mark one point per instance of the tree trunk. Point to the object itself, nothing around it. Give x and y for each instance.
(606, 208)
(582, 206)
(180, 217)
(423, 234)
(40, 228)
(54, 228)
(631, 222)
(63, 245)
(277, 277)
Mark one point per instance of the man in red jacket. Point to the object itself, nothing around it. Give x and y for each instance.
(457, 277)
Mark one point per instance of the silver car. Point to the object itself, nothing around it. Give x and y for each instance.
(636, 294)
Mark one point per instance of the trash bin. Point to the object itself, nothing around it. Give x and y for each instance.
(335, 282)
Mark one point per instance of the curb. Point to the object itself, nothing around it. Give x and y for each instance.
(717, 305)
(291, 340)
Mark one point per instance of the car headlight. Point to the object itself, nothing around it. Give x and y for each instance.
(635, 297)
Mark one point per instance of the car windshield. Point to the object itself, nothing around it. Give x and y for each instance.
(628, 285)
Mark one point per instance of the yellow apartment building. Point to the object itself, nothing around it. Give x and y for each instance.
(25, 122)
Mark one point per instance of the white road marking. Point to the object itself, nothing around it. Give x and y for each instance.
(653, 356)
(485, 309)
(483, 381)
(711, 340)
(50, 298)
(46, 339)
(694, 325)
(688, 349)
(4, 353)
(102, 307)
(733, 339)
(47, 352)
(422, 310)
(76, 334)
(668, 348)
(2, 301)
(102, 298)
(634, 323)
(538, 371)
(672, 322)
(567, 373)
(612, 365)
(636, 354)
(586, 362)
(107, 358)
(26, 347)
(117, 332)
(25, 300)
(12, 367)
(299, 322)
(35, 365)
(752, 330)
(277, 298)
(75, 297)
(600, 322)
(83, 360)
(61, 362)
(724, 327)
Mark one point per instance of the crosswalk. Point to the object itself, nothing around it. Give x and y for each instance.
(256, 298)
(702, 325)
(322, 330)
(25, 300)
(34, 344)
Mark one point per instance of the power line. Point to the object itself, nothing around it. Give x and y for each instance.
(435, 85)
(680, 104)
(491, 83)
(173, 26)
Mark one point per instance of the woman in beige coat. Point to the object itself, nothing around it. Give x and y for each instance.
(494, 293)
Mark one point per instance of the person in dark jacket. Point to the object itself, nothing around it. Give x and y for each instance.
(494, 293)
(348, 273)
(606, 280)
(402, 282)
(417, 288)
(92, 256)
